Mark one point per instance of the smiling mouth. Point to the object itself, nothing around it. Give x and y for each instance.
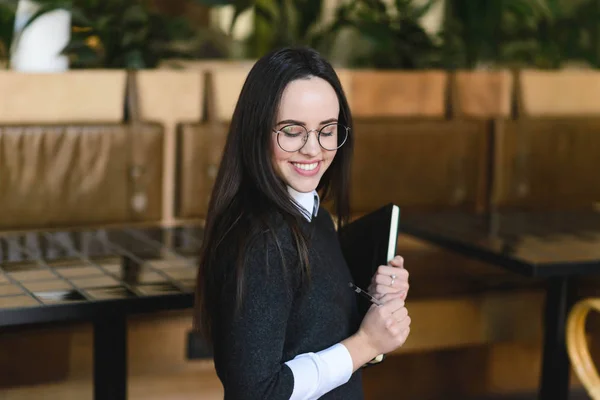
(306, 167)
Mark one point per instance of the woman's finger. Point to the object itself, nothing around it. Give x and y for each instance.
(391, 281)
(384, 289)
(386, 270)
(400, 314)
(397, 262)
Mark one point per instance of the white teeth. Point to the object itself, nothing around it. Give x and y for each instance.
(306, 167)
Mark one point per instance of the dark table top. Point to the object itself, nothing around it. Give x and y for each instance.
(537, 244)
(88, 274)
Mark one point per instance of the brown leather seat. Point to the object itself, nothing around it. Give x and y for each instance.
(417, 163)
(73, 175)
(550, 162)
(200, 148)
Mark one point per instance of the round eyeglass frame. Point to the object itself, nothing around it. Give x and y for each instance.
(308, 131)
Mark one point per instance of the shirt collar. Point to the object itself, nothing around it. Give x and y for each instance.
(308, 202)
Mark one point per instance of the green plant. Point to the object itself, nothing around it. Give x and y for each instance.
(7, 21)
(386, 36)
(588, 14)
(488, 32)
(131, 34)
(522, 33)
(567, 32)
(281, 23)
(123, 34)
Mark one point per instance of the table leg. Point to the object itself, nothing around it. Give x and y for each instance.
(555, 363)
(110, 358)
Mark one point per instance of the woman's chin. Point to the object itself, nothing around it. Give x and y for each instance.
(304, 187)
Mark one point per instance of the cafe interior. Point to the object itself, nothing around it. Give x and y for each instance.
(480, 120)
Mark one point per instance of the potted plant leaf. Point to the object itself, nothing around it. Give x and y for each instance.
(559, 66)
(482, 38)
(132, 34)
(494, 37)
(7, 21)
(397, 65)
(280, 23)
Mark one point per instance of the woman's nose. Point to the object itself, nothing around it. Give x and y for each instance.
(312, 146)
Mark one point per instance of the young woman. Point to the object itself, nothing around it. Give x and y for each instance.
(273, 296)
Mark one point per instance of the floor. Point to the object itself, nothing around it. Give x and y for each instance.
(183, 386)
(574, 395)
(420, 376)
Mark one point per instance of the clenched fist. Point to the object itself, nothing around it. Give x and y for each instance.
(386, 327)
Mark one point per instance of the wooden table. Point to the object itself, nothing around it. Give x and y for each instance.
(552, 245)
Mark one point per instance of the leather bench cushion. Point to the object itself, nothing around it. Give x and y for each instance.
(417, 163)
(200, 148)
(71, 175)
(550, 163)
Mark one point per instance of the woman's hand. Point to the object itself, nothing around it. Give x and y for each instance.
(386, 327)
(390, 279)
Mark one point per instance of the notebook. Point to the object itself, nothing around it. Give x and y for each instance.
(367, 243)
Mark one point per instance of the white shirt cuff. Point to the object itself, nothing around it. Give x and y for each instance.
(318, 373)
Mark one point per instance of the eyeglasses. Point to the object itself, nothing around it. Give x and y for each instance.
(292, 138)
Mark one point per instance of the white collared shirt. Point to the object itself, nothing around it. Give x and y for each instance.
(317, 373)
(308, 202)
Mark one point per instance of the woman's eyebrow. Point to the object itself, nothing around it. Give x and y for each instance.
(295, 122)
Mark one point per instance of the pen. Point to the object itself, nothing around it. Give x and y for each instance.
(366, 295)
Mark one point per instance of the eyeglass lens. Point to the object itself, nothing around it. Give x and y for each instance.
(293, 137)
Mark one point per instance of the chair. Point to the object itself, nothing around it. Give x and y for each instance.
(577, 346)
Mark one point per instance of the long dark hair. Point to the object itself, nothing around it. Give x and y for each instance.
(247, 189)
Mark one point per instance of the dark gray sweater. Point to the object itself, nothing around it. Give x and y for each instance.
(278, 319)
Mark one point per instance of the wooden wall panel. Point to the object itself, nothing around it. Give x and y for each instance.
(559, 93)
(34, 357)
(96, 96)
(398, 93)
(550, 163)
(417, 163)
(228, 83)
(170, 97)
(482, 94)
(345, 76)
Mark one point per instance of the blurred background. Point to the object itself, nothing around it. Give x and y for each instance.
(400, 34)
(113, 115)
